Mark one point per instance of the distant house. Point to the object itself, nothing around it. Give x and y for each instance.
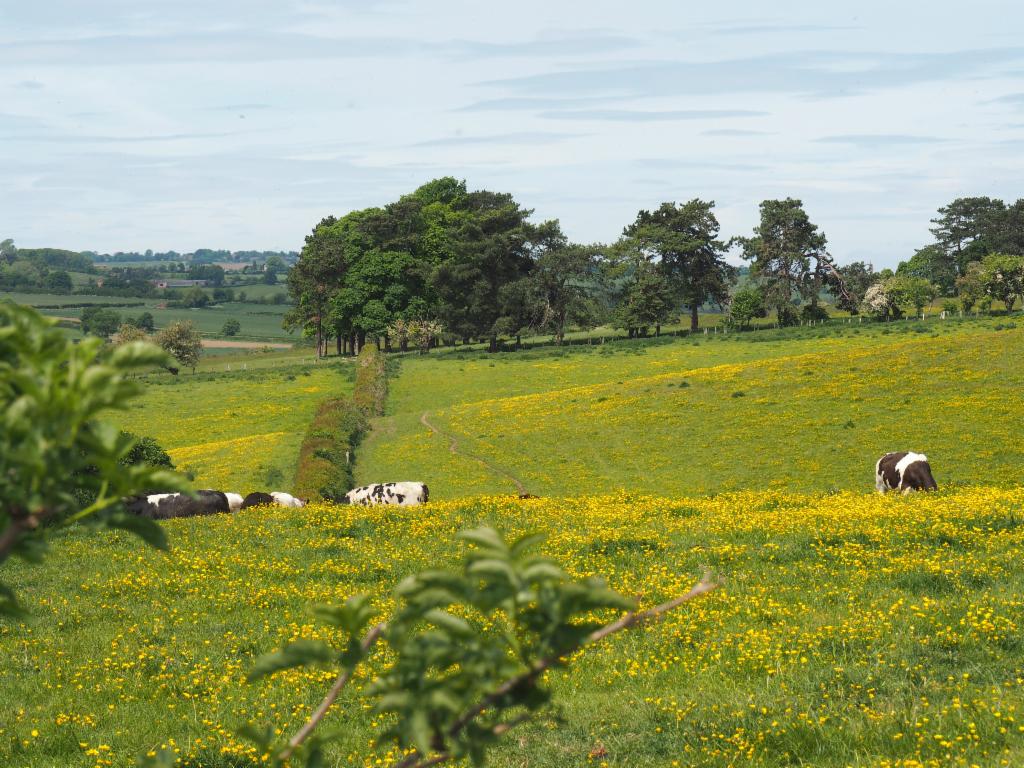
(179, 283)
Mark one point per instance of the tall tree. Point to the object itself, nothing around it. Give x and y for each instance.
(1008, 235)
(857, 277)
(644, 296)
(561, 277)
(965, 229)
(787, 255)
(486, 246)
(316, 278)
(684, 240)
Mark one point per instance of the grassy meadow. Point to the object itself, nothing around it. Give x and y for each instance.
(799, 409)
(237, 429)
(853, 629)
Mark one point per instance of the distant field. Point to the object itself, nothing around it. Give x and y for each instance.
(258, 321)
(853, 630)
(802, 409)
(239, 429)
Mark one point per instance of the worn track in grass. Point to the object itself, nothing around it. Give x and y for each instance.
(453, 447)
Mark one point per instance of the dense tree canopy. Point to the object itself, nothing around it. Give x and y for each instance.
(684, 240)
(787, 255)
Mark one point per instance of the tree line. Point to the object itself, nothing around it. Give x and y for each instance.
(472, 266)
(977, 255)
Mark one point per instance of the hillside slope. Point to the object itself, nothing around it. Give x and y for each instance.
(801, 412)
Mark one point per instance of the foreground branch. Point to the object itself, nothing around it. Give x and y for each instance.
(303, 733)
(632, 619)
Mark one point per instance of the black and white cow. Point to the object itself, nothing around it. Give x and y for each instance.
(280, 498)
(904, 471)
(257, 499)
(283, 499)
(164, 506)
(405, 494)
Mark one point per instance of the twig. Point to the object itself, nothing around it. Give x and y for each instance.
(626, 621)
(631, 619)
(303, 733)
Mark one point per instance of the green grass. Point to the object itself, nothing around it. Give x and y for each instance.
(803, 409)
(852, 630)
(259, 322)
(237, 430)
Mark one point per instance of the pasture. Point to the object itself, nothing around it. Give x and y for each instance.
(800, 409)
(236, 430)
(854, 630)
(259, 322)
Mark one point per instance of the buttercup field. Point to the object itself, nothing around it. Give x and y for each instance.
(394, 386)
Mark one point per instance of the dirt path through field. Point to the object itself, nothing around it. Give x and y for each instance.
(453, 447)
(228, 344)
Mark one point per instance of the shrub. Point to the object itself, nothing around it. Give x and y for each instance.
(747, 303)
(814, 312)
(100, 322)
(325, 458)
(324, 467)
(52, 443)
(231, 327)
(182, 341)
(371, 387)
(128, 333)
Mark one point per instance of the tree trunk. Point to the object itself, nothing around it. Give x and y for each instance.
(319, 337)
(518, 342)
(337, 343)
(362, 340)
(694, 319)
(657, 330)
(493, 345)
(404, 344)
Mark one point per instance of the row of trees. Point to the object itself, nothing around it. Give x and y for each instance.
(39, 268)
(473, 262)
(967, 233)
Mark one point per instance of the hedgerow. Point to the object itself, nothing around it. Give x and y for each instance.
(325, 463)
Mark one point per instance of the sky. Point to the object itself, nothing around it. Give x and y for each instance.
(239, 124)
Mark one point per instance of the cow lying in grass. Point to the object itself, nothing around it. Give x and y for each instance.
(904, 471)
(405, 494)
(280, 498)
(164, 506)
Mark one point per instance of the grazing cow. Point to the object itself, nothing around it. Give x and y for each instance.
(904, 471)
(281, 499)
(257, 499)
(164, 506)
(398, 494)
